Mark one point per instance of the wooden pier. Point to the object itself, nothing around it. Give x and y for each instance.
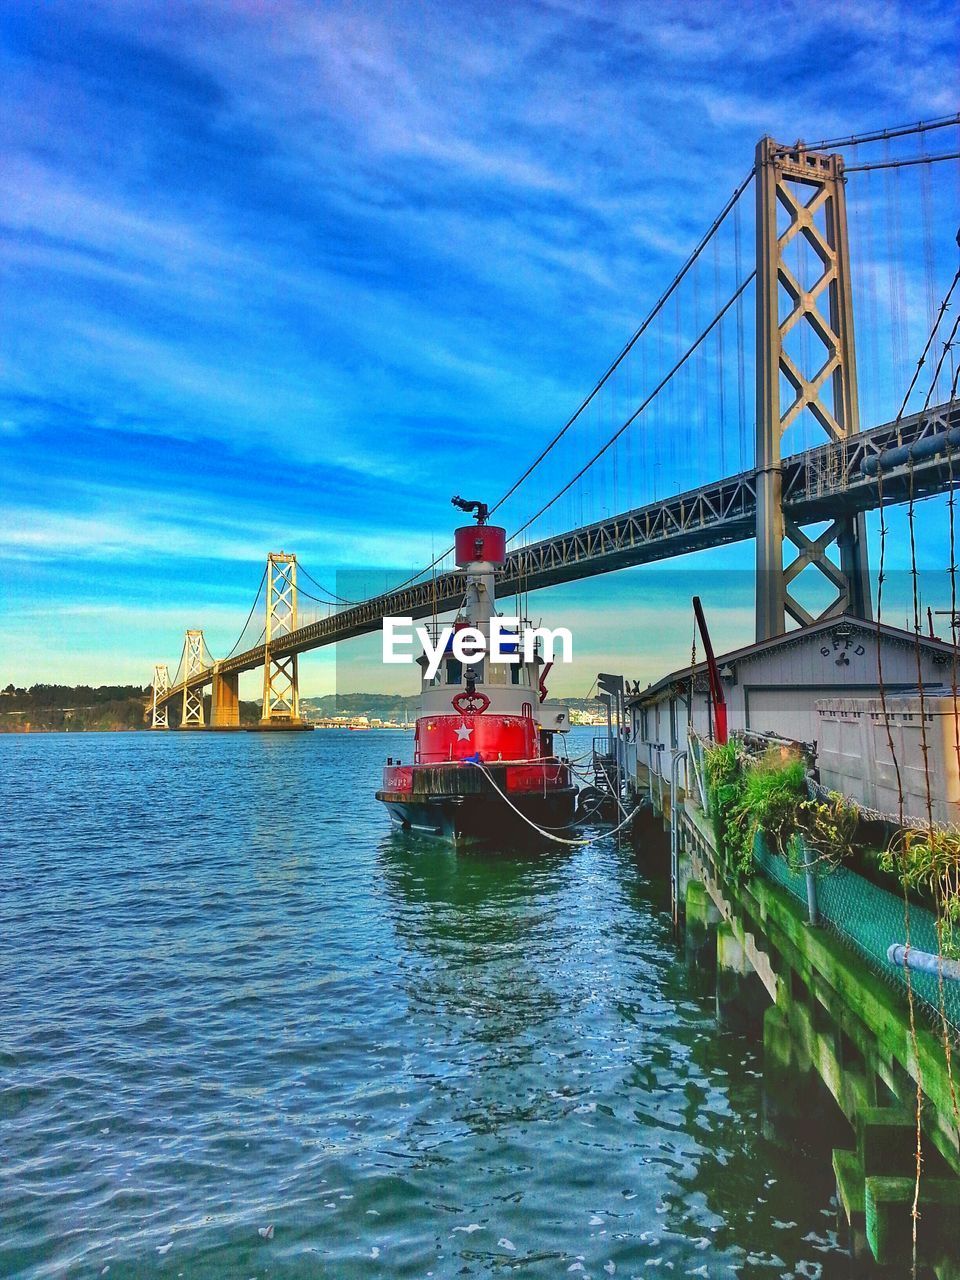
(841, 1049)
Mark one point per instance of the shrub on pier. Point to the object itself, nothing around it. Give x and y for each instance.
(927, 863)
(768, 796)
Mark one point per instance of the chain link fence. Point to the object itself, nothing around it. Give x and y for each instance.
(869, 919)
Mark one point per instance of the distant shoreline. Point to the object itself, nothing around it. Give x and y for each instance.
(49, 708)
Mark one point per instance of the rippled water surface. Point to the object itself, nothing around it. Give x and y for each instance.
(232, 1001)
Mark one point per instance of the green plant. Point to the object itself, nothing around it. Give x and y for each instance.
(769, 796)
(772, 794)
(829, 830)
(928, 861)
(725, 768)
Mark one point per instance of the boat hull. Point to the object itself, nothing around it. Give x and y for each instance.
(470, 820)
(476, 813)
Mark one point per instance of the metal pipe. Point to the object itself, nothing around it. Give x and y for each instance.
(621, 740)
(813, 913)
(675, 838)
(718, 700)
(696, 761)
(928, 447)
(617, 759)
(923, 961)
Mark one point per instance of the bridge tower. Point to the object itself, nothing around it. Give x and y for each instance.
(161, 686)
(225, 699)
(794, 314)
(281, 690)
(194, 650)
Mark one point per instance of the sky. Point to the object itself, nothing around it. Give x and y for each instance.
(282, 275)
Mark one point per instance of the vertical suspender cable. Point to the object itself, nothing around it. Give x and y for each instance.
(873, 372)
(658, 411)
(892, 247)
(683, 426)
(929, 240)
(741, 339)
(721, 364)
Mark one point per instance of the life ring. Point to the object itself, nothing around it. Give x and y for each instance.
(471, 704)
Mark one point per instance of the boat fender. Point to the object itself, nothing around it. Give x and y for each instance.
(590, 800)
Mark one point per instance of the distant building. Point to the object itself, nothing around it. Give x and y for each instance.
(774, 686)
(592, 718)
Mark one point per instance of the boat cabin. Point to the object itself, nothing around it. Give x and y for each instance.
(494, 708)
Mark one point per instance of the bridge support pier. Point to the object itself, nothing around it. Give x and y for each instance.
(225, 702)
(194, 650)
(281, 687)
(160, 717)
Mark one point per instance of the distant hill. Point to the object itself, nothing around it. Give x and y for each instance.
(61, 708)
(375, 706)
(58, 707)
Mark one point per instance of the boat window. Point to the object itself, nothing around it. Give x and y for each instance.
(454, 671)
(515, 671)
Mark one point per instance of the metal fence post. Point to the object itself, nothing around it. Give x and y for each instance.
(813, 914)
(675, 837)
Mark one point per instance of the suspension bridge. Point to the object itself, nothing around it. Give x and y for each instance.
(864, 224)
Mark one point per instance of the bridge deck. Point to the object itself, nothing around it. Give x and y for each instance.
(818, 484)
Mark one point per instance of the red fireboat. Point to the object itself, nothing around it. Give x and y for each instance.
(484, 767)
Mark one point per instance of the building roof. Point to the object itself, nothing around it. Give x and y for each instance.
(898, 635)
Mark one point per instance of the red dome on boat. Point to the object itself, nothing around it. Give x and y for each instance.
(481, 542)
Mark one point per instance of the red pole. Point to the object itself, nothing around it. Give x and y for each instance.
(543, 675)
(716, 687)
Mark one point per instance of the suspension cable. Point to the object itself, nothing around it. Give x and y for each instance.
(631, 343)
(334, 598)
(901, 164)
(930, 341)
(653, 394)
(256, 600)
(328, 604)
(900, 131)
(628, 347)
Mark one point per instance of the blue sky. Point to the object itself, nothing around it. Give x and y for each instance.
(288, 275)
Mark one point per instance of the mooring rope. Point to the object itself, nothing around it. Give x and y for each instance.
(543, 830)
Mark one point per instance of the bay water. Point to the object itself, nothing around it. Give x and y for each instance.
(246, 1030)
